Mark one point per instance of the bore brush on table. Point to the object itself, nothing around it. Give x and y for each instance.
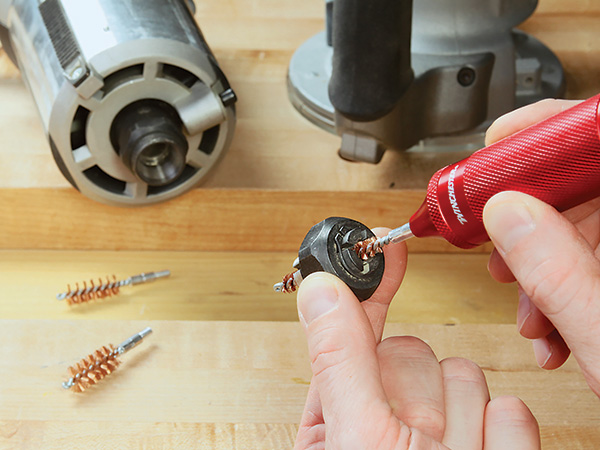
(93, 368)
(106, 288)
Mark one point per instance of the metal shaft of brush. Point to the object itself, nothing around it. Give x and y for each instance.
(370, 247)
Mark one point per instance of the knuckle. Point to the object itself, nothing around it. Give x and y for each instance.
(511, 411)
(427, 418)
(546, 102)
(464, 376)
(542, 280)
(462, 369)
(327, 350)
(324, 362)
(402, 345)
(553, 284)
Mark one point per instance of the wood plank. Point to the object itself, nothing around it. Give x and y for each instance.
(207, 220)
(278, 9)
(238, 385)
(159, 435)
(566, 8)
(235, 384)
(208, 436)
(236, 286)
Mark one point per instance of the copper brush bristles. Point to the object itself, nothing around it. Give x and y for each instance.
(94, 291)
(364, 249)
(93, 368)
(368, 248)
(291, 281)
(288, 284)
(108, 288)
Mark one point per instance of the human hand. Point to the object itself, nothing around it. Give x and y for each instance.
(554, 257)
(368, 394)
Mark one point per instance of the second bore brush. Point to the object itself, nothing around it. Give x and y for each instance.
(94, 367)
(106, 288)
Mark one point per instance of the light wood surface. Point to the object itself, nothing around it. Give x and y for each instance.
(235, 286)
(199, 384)
(233, 385)
(207, 220)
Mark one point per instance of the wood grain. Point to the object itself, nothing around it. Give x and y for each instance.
(241, 385)
(226, 385)
(207, 220)
(236, 286)
(207, 436)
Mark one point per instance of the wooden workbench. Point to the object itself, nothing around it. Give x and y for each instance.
(226, 367)
(232, 385)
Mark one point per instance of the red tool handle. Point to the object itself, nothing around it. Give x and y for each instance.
(557, 161)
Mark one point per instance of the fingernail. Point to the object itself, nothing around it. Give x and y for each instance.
(317, 296)
(507, 223)
(524, 309)
(543, 351)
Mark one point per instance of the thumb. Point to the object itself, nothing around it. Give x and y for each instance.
(345, 367)
(555, 266)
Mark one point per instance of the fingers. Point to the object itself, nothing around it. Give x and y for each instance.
(523, 117)
(312, 427)
(344, 362)
(508, 423)
(377, 306)
(551, 351)
(549, 348)
(311, 432)
(498, 269)
(531, 323)
(412, 379)
(556, 268)
(466, 395)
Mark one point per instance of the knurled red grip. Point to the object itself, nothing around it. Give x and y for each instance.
(556, 160)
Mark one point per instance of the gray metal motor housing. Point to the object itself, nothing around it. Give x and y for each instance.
(422, 75)
(87, 61)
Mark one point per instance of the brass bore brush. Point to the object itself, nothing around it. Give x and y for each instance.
(94, 367)
(106, 288)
